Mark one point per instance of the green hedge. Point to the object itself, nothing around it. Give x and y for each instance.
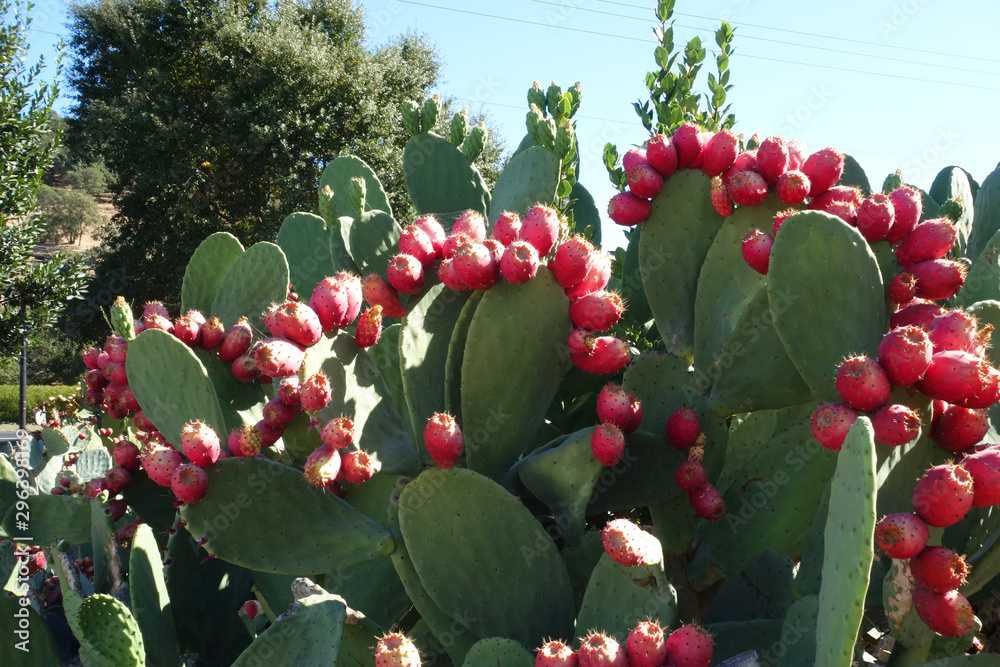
(9, 397)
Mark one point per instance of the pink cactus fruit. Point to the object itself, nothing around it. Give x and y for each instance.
(605, 355)
(644, 181)
(830, 424)
(862, 383)
(277, 358)
(555, 653)
(629, 545)
(250, 609)
(315, 393)
(747, 188)
(405, 274)
(540, 227)
(338, 433)
(415, 243)
(213, 332)
(931, 239)
(824, 168)
(688, 142)
(660, 153)
(116, 479)
(793, 187)
(917, 312)
(126, 455)
(619, 407)
(902, 535)
(719, 196)
(875, 217)
(187, 330)
(449, 276)
(708, 503)
(507, 227)
(690, 646)
(939, 569)
(939, 278)
(907, 205)
(683, 428)
(646, 645)
(519, 262)
(633, 157)
(160, 463)
(237, 341)
(690, 475)
(337, 300)
(597, 311)
(322, 467)
(720, 153)
(200, 443)
(607, 444)
(958, 429)
(756, 250)
(244, 369)
(244, 441)
(895, 425)
(902, 288)
(377, 292)
(948, 614)
(572, 261)
(960, 378)
(278, 415)
(984, 467)
(443, 439)
(627, 210)
(288, 392)
(772, 160)
(958, 330)
(296, 322)
(430, 226)
(597, 277)
(395, 649)
(189, 483)
(944, 495)
(369, 329)
(358, 466)
(470, 223)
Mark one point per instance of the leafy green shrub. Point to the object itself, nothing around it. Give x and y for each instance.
(66, 213)
(52, 359)
(37, 395)
(90, 178)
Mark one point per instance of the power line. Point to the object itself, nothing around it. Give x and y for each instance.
(521, 108)
(832, 68)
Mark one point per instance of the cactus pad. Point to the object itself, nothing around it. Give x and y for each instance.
(530, 177)
(206, 270)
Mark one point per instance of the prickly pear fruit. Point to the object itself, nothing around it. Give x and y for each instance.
(931, 239)
(960, 378)
(944, 495)
(772, 159)
(471, 224)
(902, 535)
(607, 444)
(646, 645)
(719, 195)
(213, 332)
(939, 278)
(896, 425)
(793, 187)
(187, 330)
(160, 463)
(984, 467)
(296, 322)
(619, 407)
(277, 414)
(189, 483)
(688, 142)
(236, 341)
(507, 227)
(358, 466)
(862, 383)
(948, 614)
(708, 503)
(875, 217)
(555, 653)
(683, 428)
(377, 292)
(957, 429)
(288, 392)
(939, 569)
(690, 475)
(660, 153)
(126, 455)
(369, 329)
(747, 188)
(278, 358)
(907, 205)
(756, 250)
(414, 242)
(572, 260)
(322, 467)
(644, 181)
(244, 441)
(597, 277)
(605, 355)
(430, 226)
(540, 227)
(902, 288)
(690, 646)
(474, 266)
(519, 262)
(443, 439)
(597, 311)
(200, 443)
(917, 312)
(824, 168)
(629, 545)
(315, 392)
(337, 300)
(830, 423)
(719, 153)
(405, 274)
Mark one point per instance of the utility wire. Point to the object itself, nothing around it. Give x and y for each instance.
(503, 105)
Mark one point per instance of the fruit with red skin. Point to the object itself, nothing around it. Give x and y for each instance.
(984, 467)
(430, 226)
(930, 239)
(157, 322)
(449, 276)
(377, 292)
(475, 267)
(93, 488)
(895, 425)
(720, 153)
(187, 330)
(250, 609)
(496, 250)
(597, 277)
(793, 187)
(322, 466)
(830, 423)
(644, 181)
(745, 161)
(756, 249)
(633, 158)
(117, 347)
(907, 204)
(405, 274)
(707, 503)
(606, 355)
(414, 242)
(824, 169)
(917, 312)
(519, 263)
(396, 650)
(862, 383)
(944, 495)
(507, 227)
(948, 614)
(103, 359)
(213, 332)
(337, 300)
(902, 535)
(683, 428)
(443, 439)
(747, 188)
(160, 463)
(89, 357)
(470, 223)
(796, 156)
(555, 653)
(939, 278)
(151, 308)
(244, 441)
(905, 354)
(840, 200)
(719, 196)
(338, 433)
(200, 443)
(277, 415)
(453, 242)
(95, 379)
(315, 392)
(627, 210)
(629, 545)
(772, 160)
(116, 508)
(288, 392)
(189, 483)
(236, 341)
(126, 455)
(619, 407)
(902, 288)
(690, 476)
(358, 466)
(957, 377)
(116, 479)
(115, 373)
(369, 329)
(540, 227)
(244, 369)
(597, 311)
(957, 429)
(142, 423)
(269, 434)
(296, 322)
(690, 646)
(875, 217)
(607, 444)
(646, 646)
(688, 141)
(660, 153)
(956, 330)
(277, 358)
(939, 569)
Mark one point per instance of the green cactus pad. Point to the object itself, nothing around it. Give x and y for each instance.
(762, 590)
(206, 270)
(983, 281)
(954, 183)
(440, 179)
(638, 479)
(663, 383)
(51, 519)
(240, 402)
(314, 249)
(854, 176)
(269, 506)
(732, 639)
(849, 540)
(798, 632)
(826, 296)
(55, 441)
(672, 247)
(371, 241)
(171, 384)
(897, 601)
(673, 521)
(308, 636)
(630, 284)
(255, 281)
(986, 217)
(385, 355)
(150, 600)
(110, 636)
(585, 214)
(39, 650)
(456, 355)
(152, 502)
(903, 465)
(498, 652)
(529, 178)
(336, 201)
(494, 527)
(274, 592)
(515, 356)
(103, 548)
(93, 464)
(618, 597)
(8, 485)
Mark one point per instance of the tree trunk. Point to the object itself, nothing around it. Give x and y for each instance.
(23, 412)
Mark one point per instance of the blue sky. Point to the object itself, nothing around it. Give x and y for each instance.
(922, 94)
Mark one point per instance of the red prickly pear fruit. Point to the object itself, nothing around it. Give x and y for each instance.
(958, 377)
(93, 488)
(337, 300)
(939, 569)
(690, 646)
(213, 332)
(841, 201)
(443, 439)
(95, 379)
(126, 455)
(142, 423)
(796, 156)
(984, 467)
(200, 443)
(117, 479)
(115, 373)
(189, 483)
(157, 322)
(405, 274)
(369, 329)
(931, 239)
(377, 292)
(244, 441)
(496, 250)
(155, 309)
(237, 341)
(958, 429)
(519, 263)
(358, 466)
(607, 444)
(948, 614)
(895, 425)
(862, 383)
(449, 276)
(646, 646)
(688, 141)
(414, 242)
(507, 227)
(644, 181)
(875, 217)
(720, 153)
(719, 195)
(315, 392)
(277, 415)
(338, 433)
(793, 187)
(607, 355)
(907, 204)
(772, 161)
(629, 545)
(288, 392)
(475, 267)
(633, 157)
(619, 407)
(917, 312)
(470, 223)
(902, 288)
(90, 357)
(555, 653)
(244, 369)
(597, 311)
(160, 464)
(944, 495)
(600, 650)
(396, 650)
(824, 168)
(103, 359)
(597, 277)
(250, 609)
(116, 508)
(904, 354)
(540, 227)
(830, 423)
(902, 535)
(939, 278)
(683, 428)
(452, 244)
(747, 188)
(187, 330)
(296, 322)
(756, 250)
(779, 219)
(627, 210)
(745, 161)
(660, 153)
(117, 347)
(278, 358)
(322, 467)
(707, 503)
(690, 476)
(956, 330)
(430, 226)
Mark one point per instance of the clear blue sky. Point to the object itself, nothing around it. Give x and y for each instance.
(928, 98)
